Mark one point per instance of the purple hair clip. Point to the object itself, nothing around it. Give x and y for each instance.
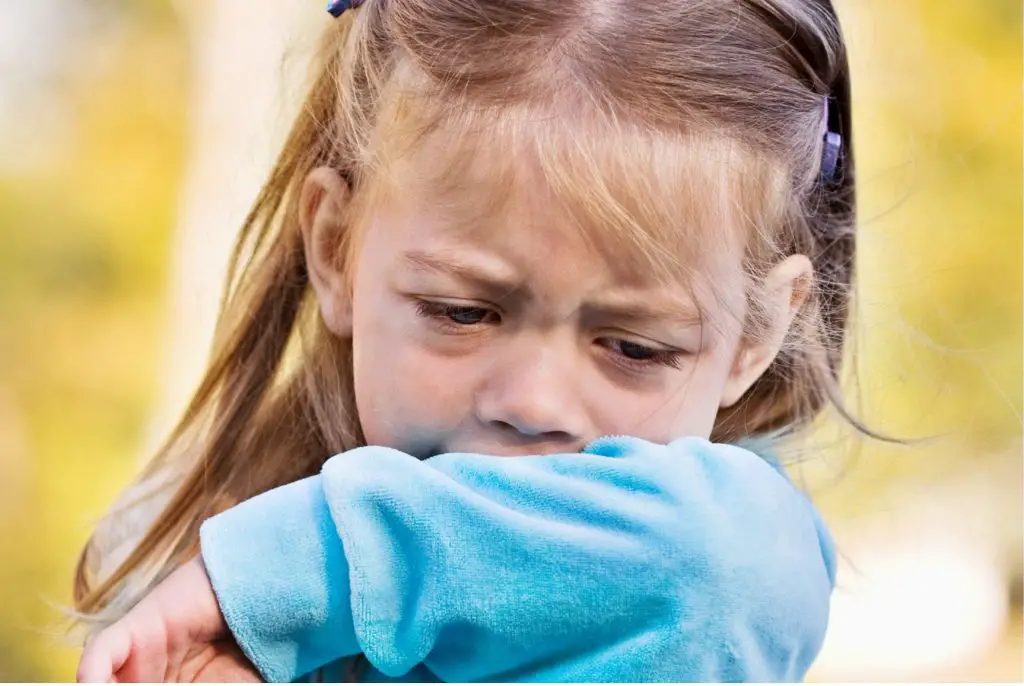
(831, 147)
(337, 7)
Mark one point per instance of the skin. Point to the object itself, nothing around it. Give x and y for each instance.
(510, 338)
(520, 337)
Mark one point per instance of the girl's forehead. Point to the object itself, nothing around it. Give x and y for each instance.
(658, 207)
(533, 259)
(509, 224)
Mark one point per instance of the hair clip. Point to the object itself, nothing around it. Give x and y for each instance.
(337, 7)
(830, 155)
(831, 147)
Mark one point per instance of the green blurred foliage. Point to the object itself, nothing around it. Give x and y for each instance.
(84, 246)
(937, 348)
(83, 263)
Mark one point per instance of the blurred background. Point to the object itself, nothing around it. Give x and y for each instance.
(133, 136)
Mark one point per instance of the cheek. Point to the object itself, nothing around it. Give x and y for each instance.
(405, 398)
(687, 407)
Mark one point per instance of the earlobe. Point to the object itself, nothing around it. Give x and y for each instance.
(786, 289)
(323, 205)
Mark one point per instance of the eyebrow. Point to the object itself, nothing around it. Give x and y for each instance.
(504, 282)
(644, 311)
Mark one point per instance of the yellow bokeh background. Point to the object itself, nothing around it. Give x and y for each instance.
(90, 184)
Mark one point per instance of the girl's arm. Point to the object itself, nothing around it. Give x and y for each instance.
(628, 562)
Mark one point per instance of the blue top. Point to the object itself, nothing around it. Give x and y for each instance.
(630, 562)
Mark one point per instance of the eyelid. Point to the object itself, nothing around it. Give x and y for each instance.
(662, 358)
(639, 339)
(441, 314)
(454, 302)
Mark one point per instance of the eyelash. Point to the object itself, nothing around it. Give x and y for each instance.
(657, 357)
(444, 314)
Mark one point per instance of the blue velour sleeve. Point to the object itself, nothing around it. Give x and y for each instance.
(630, 561)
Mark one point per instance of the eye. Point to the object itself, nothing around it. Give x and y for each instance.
(457, 315)
(466, 315)
(638, 356)
(635, 351)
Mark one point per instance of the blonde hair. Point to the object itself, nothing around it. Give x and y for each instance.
(726, 98)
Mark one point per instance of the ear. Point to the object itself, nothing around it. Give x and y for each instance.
(322, 214)
(785, 290)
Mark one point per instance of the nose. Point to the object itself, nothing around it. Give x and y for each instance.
(533, 394)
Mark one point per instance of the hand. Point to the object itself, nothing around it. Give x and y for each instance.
(176, 633)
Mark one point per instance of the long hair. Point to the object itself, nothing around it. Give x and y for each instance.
(693, 107)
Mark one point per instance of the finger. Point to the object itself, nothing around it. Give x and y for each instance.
(228, 665)
(177, 654)
(242, 670)
(243, 675)
(104, 655)
(94, 667)
(147, 661)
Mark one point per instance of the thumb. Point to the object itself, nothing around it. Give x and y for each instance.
(104, 655)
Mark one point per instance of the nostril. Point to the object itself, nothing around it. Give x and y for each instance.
(504, 427)
(538, 436)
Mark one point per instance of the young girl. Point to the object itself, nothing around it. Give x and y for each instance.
(498, 232)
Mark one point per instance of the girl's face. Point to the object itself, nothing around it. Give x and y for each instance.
(518, 336)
